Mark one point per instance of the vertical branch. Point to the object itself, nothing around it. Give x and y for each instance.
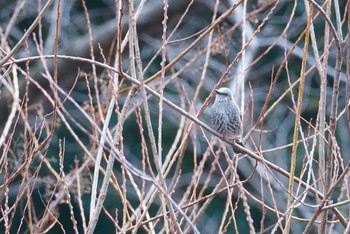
(334, 109)
(118, 57)
(158, 161)
(347, 92)
(55, 71)
(94, 211)
(322, 117)
(97, 93)
(63, 182)
(322, 102)
(162, 86)
(15, 102)
(79, 195)
(98, 160)
(136, 68)
(334, 105)
(241, 73)
(296, 126)
(247, 212)
(249, 37)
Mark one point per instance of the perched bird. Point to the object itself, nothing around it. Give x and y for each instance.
(225, 116)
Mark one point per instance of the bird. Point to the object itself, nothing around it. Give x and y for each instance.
(225, 115)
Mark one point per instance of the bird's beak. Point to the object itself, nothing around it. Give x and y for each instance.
(216, 91)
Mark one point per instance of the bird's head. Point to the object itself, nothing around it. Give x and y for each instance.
(223, 93)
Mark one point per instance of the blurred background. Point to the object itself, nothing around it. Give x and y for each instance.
(48, 155)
